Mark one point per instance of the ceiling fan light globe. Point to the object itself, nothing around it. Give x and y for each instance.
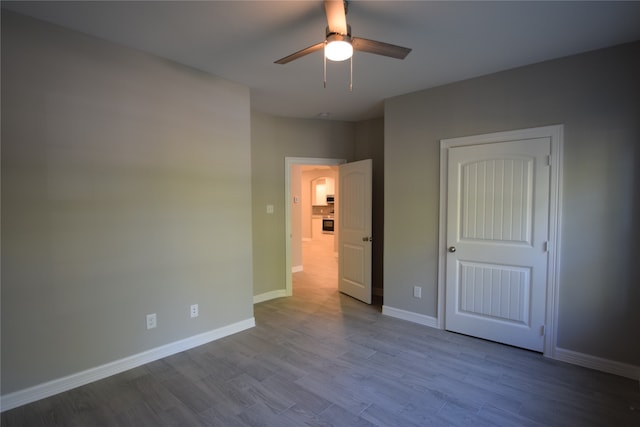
(338, 50)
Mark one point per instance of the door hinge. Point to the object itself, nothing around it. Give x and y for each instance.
(549, 160)
(542, 331)
(546, 246)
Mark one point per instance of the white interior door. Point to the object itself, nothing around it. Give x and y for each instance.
(354, 229)
(497, 236)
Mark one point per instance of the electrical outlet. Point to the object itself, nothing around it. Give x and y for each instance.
(417, 292)
(151, 321)
(194, 310)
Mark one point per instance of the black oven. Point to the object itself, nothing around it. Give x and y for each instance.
(327, 225)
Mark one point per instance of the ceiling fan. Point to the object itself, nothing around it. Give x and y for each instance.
(339, 45)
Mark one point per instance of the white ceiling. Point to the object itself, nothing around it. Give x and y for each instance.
(451, 41)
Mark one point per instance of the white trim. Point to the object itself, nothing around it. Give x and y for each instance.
(410, 316)
(556, 135)
(41, 391)
(442, 237)
(297, 269)
(598, 363)
(561, 354)
(269, 295)
(555, 240)
(288, 162)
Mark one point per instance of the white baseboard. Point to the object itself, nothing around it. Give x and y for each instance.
(597, 363)
(561, 354)
(296, 269)
(269, 295)
(410, 316)
(41, 391)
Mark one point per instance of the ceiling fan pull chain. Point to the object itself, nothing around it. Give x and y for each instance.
(324, 60)
(350, 73)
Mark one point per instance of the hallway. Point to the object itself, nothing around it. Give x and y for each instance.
(319, 263)
(319, 277)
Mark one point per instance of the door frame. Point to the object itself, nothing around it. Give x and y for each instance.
(556, 135)
(288, 197)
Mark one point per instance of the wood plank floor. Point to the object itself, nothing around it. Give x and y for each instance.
(321, 358)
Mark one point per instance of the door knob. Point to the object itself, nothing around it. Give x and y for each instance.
(452, 249)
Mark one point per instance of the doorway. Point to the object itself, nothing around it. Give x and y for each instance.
(321, 249)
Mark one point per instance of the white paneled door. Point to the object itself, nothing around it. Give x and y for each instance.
(497, 237)
(354, 230)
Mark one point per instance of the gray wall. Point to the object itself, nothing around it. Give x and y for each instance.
(126, 190)
(596, 96)
(273, 139)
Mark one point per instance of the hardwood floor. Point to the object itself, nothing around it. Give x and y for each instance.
(321, 358)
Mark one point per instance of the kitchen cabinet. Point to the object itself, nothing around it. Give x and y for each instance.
(320, 189)
(331, 184)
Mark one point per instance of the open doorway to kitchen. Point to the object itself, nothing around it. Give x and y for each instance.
(311, 215)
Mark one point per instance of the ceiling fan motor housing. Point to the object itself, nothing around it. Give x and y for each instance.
(333, 36)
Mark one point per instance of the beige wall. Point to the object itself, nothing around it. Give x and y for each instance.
(596, 96)
(126, 190)
(273, 139)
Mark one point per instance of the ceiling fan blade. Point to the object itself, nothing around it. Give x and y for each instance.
(380, 48)
(300, 53)
(336, 16)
